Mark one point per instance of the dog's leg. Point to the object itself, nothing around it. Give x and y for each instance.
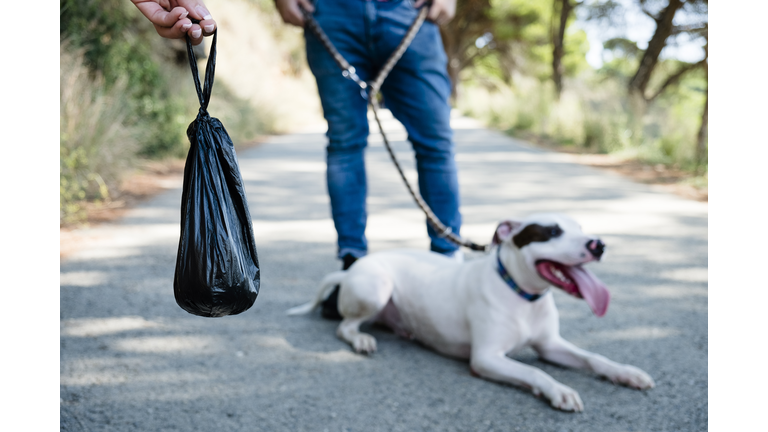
(361, 297)
(497, 366)
(488, 359)
(558, 350)
(349, 331)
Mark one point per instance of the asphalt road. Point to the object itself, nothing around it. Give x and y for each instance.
(132, 360)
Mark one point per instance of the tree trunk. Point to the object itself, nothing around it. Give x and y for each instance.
(454, 59)
(459, 35)
(701, 138)
(558, 44)
(639, 82)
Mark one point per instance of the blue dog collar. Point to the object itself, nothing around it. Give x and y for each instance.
(511, 282)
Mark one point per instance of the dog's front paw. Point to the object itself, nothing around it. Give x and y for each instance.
(364, 343)
(636, 378)
(564, 398)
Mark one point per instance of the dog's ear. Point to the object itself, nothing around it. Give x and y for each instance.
(504, 231)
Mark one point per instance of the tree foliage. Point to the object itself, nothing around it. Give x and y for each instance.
(518, 55)
(119, 44)
(519, 38)
(504, 37)
(666, 16)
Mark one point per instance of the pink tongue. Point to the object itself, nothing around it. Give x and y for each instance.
(591, 288)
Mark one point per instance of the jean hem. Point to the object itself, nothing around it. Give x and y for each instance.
(357, 253)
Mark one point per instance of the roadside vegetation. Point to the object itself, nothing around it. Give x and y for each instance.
(127, 95)
(592, 115)
(517, 65)
(521, 68)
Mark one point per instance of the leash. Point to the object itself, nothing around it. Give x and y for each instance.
(369, 93)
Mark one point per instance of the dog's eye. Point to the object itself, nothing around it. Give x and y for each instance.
(555, 231)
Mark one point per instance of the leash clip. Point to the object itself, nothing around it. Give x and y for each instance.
(351, 75)
(445, 232)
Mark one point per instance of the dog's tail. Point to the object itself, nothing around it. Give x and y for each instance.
(326, 285)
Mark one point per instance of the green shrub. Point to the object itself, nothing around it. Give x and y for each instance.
(525, 121)
(594, 134)
(595, 113)
(127, 93)
(120, 45)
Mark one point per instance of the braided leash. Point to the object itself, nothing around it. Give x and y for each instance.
(369, 92)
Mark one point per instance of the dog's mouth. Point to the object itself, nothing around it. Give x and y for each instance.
(578, 282)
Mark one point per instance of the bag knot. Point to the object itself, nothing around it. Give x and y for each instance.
(203, 115)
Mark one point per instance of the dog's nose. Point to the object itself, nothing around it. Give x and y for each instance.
(596, 247)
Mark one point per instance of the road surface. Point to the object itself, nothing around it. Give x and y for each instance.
(132, 360)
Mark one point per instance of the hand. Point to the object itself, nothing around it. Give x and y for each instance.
(441, 11)
(170, 18)
(290, 12)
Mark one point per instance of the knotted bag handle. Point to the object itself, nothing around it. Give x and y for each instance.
(204, 95)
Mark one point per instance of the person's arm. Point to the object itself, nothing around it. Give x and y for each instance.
(171, 18)
(290, 12)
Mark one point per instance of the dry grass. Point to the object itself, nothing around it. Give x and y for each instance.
(262, 61)
(96, 148)
(595, 117)
(668, 177)
(264, 87)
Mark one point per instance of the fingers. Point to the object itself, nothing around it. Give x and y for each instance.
(176, 23)
(198, 11)
(195, 34)
(437, 15)
(291, 13)
(169, 19)
(441, 11)
(158, 15)
(176, 31)
(307, 5)
(181, 29)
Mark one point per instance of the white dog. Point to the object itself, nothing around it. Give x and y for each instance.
(485, 308)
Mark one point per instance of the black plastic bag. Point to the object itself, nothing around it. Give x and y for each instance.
(217, 269)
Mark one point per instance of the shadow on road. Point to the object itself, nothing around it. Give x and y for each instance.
(131, 359)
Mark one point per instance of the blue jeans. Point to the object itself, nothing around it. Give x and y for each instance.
(366, 32)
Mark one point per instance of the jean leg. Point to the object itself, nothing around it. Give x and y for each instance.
(346, 113)
(417, 92)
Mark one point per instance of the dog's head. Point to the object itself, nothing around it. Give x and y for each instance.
(554, 249)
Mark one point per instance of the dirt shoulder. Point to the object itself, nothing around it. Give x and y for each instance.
(149, 179)
(671, 179)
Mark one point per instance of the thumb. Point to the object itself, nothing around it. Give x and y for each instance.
(196, 8)
(159, 16)
(171, 18)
